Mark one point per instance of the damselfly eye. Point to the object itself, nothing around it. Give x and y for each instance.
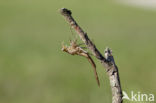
(62, 49)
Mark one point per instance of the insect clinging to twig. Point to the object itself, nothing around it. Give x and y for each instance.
(75, 49)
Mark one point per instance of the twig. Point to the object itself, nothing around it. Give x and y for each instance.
(107, 61)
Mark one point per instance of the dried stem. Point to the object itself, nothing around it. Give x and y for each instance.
(107, 62)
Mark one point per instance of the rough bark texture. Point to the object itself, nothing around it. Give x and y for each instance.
(108, 63)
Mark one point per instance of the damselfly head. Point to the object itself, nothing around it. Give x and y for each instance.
(64, 48)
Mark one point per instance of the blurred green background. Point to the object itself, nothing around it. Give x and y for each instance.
(33, 69)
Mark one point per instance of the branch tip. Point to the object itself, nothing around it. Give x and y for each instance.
(108, 50)
(65, 11)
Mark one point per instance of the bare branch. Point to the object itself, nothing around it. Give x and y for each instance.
(107, 61)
